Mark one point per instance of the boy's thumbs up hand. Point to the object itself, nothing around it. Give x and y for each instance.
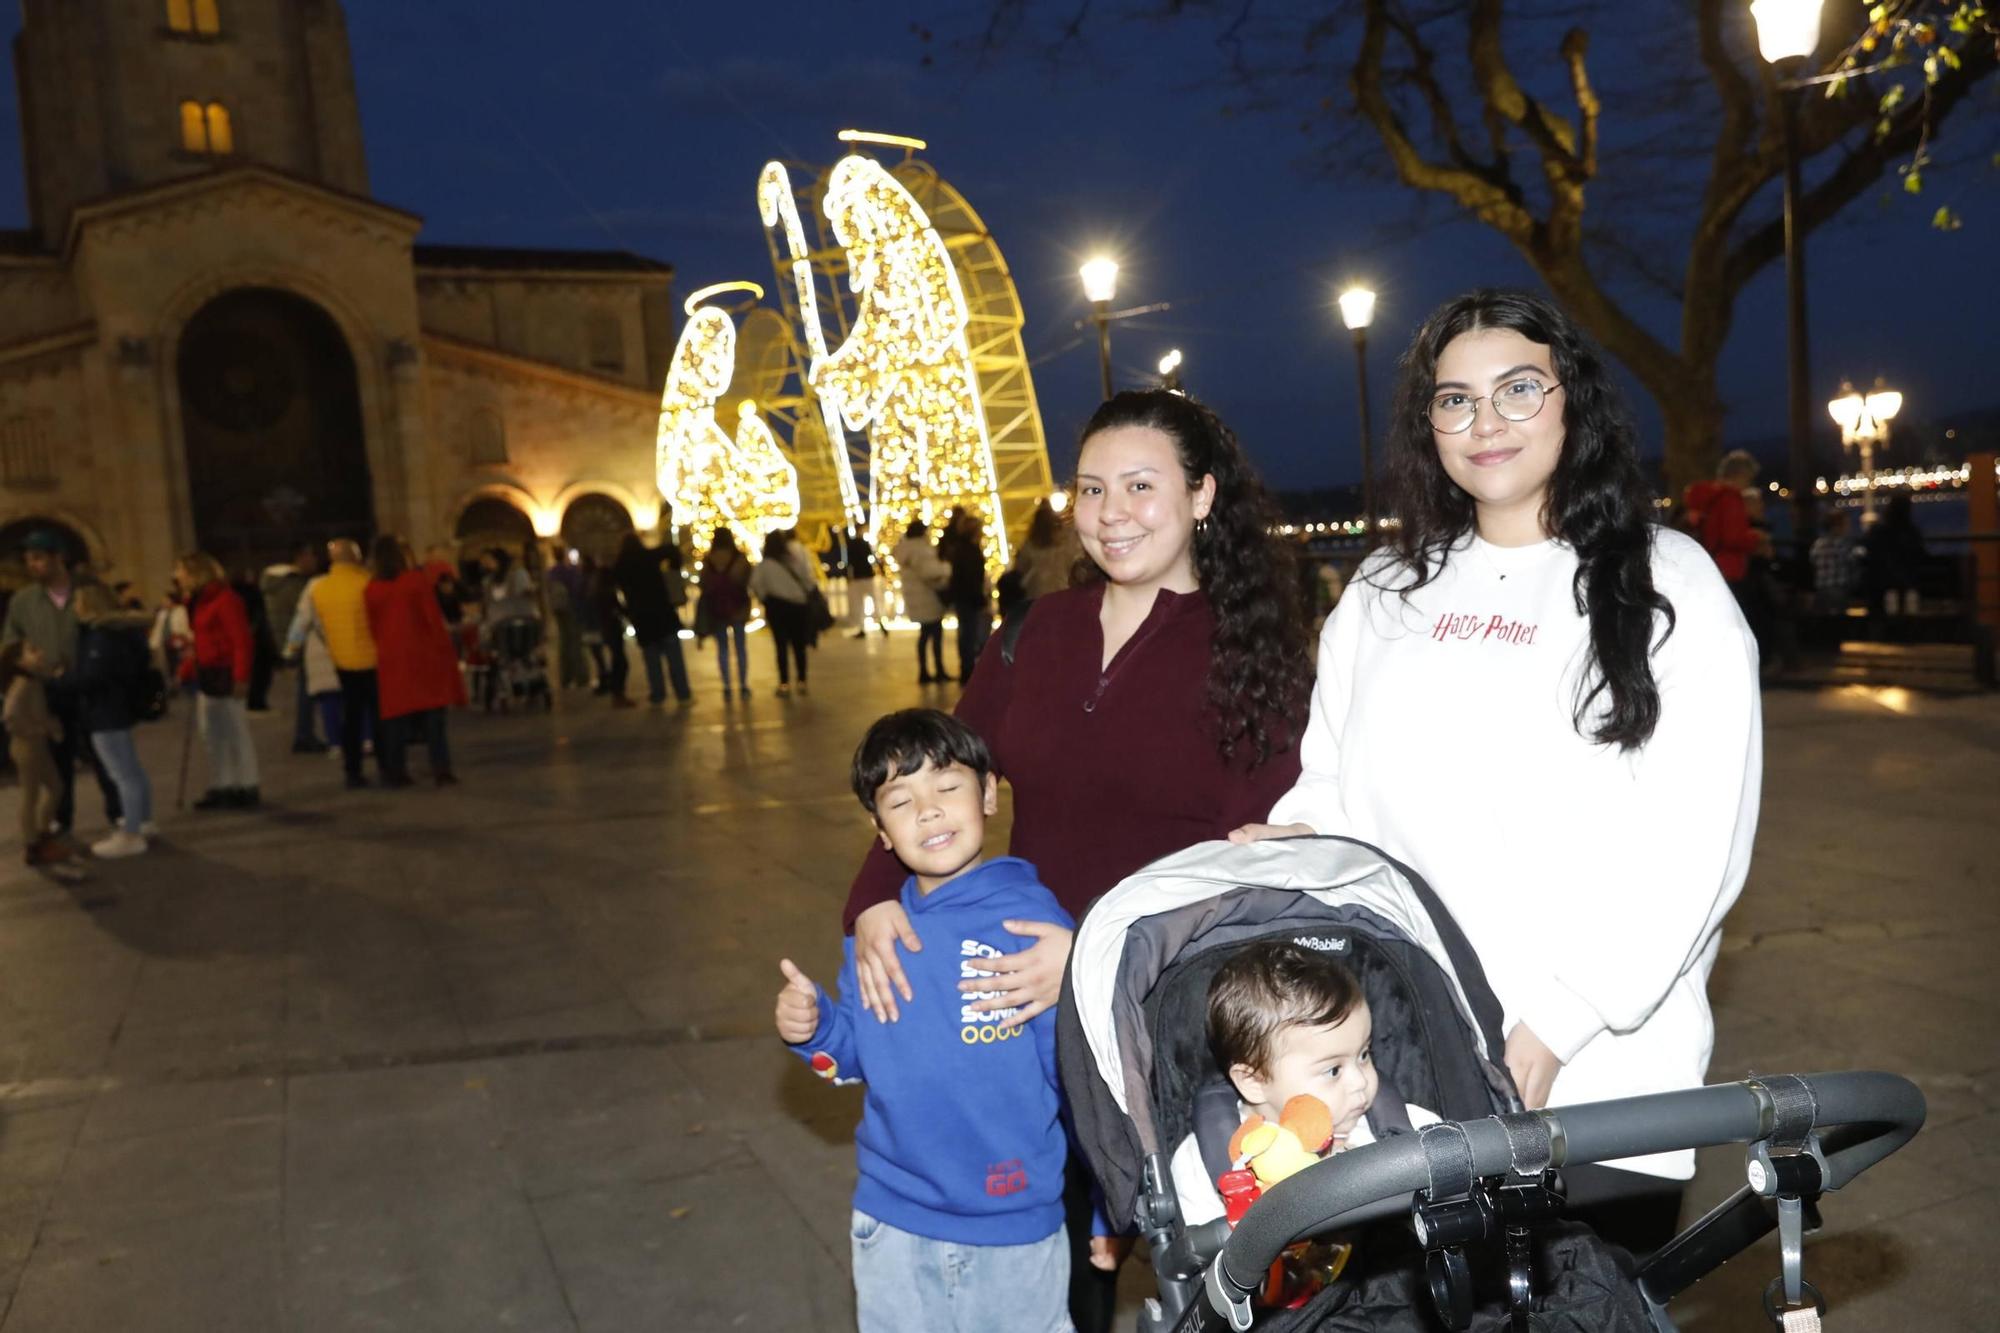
(798, 1005)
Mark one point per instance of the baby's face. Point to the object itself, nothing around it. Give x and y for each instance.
(1334, 1063)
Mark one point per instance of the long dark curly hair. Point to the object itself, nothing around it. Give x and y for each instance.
(1598, 504)
(1260, 666)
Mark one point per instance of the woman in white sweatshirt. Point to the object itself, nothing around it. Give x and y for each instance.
(1548, 705)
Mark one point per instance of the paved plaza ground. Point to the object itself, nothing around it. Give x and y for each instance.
(499, 1058)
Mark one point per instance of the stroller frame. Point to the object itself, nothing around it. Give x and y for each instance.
(1482, 1175)
(1842, 1123)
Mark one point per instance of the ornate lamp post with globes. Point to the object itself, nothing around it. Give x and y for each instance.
(1787, 35)
(1357, 311)
(1864, 423)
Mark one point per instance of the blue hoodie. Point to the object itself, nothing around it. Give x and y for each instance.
(961, 1136)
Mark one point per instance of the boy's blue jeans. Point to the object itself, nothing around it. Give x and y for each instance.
(912, 1284)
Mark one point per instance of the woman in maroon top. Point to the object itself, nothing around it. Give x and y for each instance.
(1153, 706)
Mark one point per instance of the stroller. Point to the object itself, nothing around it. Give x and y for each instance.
(518, 669)
(1460, 1222)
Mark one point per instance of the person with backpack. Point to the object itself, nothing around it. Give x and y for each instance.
(723, 607)
(784, 584)
(117, 688)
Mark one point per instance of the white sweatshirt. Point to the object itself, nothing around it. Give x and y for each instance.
(1592, 883)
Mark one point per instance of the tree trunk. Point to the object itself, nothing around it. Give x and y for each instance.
(1693, 422)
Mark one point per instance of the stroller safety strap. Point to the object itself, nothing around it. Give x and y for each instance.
(1529, 1140)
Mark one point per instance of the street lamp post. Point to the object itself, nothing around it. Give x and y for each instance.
(1357, 311)
(1787, 35)
(1864, 423)
(1100, 287)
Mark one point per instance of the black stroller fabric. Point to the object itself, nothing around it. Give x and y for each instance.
(1582, 1285)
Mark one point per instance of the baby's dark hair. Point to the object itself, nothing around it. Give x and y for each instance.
(1269, 986)
(904, 742)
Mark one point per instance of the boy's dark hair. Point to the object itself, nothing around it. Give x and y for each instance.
(902, 743)
(1271, 985)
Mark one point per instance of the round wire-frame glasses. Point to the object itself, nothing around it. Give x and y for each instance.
(1517, 400)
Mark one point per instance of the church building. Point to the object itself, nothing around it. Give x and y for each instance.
(213, 337)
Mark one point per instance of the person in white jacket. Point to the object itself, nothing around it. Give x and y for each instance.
(924, 577)
(1548, 706)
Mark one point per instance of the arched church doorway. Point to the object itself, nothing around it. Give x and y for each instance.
(271, 411)
(596, 525)
(492, 521)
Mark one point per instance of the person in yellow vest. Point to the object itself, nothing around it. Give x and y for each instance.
(340, 606)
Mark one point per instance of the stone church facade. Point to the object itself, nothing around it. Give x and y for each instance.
(213, 337)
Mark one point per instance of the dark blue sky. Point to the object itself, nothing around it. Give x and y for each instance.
(641, 125)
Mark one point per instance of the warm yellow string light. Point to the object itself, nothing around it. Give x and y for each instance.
(745, 484)
(905, 372)
(777, 204)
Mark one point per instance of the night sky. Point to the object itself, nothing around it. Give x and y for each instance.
(638, 125)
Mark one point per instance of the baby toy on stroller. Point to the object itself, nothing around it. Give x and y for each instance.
(1481, 1243)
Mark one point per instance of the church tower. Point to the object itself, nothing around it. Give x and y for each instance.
(117, 95)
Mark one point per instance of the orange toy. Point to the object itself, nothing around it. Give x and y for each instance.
(1303, 1133)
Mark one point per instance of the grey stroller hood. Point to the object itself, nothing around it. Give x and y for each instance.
(1129, 1044)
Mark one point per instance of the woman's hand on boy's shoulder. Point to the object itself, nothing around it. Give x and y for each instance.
(1028, 982)
(877, 970)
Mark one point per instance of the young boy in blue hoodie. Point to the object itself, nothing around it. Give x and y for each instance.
(958, 1212)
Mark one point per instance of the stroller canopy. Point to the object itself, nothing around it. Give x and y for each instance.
(1133, 1038)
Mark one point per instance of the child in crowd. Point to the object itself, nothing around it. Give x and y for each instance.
(31, 729)
(958, 1212)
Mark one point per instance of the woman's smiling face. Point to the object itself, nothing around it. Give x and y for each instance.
(1135, 513)
(1503, 465)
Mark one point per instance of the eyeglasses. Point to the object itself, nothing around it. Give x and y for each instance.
(1516, 400)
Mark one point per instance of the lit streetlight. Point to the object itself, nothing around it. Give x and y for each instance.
(1100, 288)
(1170, 370)
(1864, 424)
(1787, 35)
(1357, 311)
(1059, 500)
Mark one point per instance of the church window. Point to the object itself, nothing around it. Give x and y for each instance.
(607, 343)
(488, 438)
(221, 138)
(199, 18)
(207, 129)
(25, 456)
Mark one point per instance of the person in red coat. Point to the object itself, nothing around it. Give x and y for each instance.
(417, 674)
(219, 668)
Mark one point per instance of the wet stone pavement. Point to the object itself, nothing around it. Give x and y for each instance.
(498, 1057)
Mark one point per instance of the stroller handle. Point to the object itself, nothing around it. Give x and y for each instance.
(1874, 1114)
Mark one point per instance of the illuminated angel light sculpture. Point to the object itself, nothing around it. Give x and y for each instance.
(905, 372)
(744, 484)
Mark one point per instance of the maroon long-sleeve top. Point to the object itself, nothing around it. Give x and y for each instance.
(1112, 766)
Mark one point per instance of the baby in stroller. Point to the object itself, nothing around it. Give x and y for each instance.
(1289, 1026)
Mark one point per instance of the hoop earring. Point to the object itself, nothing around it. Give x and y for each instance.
(1201, 526)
